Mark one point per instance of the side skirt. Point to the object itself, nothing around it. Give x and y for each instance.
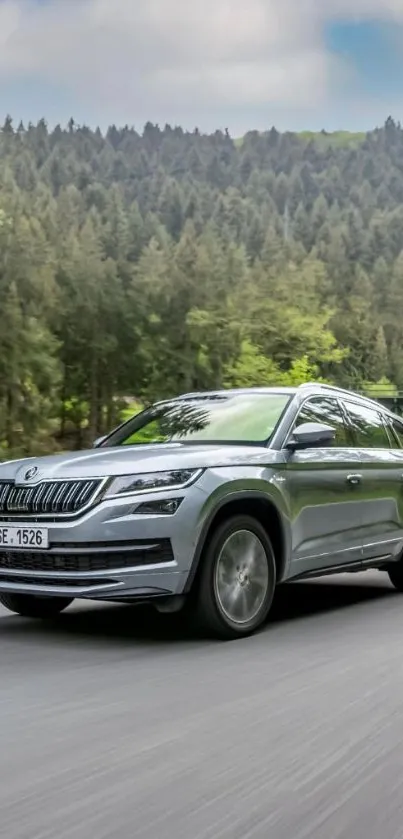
(379, 563)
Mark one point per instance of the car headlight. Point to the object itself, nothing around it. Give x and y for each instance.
(153, 481)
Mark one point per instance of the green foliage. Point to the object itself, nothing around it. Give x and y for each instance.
(325, 139)
(382, 388)
(138, 266)
(341, 139)
(253, 369)
(301, 371)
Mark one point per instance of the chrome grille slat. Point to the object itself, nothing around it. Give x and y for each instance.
(28, 500)
(47, 498)
(4, 492)
(38, 497)
(58, 496)
(81, 495)
(69, 497)
(73, 497)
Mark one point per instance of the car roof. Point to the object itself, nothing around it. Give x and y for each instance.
(348, 394)
(304, 389)
(239, 391)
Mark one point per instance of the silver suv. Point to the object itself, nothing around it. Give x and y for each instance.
(205, 503)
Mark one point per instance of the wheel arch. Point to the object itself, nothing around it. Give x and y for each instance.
(258, 505)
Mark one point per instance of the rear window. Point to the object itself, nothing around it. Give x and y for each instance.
(398, 432)
(368, 426)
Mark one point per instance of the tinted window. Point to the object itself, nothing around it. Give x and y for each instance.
(368, 425)
(225, 418)
(328, 412)
(398, 430)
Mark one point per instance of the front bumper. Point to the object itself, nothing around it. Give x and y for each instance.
(110, 553)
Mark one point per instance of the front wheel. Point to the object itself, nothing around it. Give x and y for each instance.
(30, 606)
(237, 579)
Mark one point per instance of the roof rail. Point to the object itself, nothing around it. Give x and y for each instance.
(341, 391)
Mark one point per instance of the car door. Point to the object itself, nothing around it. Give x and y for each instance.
(381, 480)
(324, 496)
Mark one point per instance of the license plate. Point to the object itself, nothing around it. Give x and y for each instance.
(32, 538)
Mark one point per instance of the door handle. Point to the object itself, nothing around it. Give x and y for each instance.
(354, 479)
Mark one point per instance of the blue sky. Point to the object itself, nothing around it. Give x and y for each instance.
(239, 64)
(374, 52)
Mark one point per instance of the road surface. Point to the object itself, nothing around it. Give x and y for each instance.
(115, 726)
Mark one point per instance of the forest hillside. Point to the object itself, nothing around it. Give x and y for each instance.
(138, 265)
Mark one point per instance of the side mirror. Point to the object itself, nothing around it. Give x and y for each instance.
(309, 435)
(98, 441)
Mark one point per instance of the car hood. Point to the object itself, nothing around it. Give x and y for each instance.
(105, 462)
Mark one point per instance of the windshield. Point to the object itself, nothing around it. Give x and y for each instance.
(239, 418)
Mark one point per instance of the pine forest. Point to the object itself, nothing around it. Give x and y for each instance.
(136, 265)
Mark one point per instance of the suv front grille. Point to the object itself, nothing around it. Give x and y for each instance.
(48, 497)
(78, 561)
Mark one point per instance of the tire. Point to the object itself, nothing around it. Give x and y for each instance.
(395, 573)
(30, 606)
(219, 606)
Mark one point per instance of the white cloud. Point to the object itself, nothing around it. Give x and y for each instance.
(158, 57)
(385, 10)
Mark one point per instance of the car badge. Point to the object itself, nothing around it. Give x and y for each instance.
(31, 473)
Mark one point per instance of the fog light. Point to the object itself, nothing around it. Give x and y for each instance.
(160, 507)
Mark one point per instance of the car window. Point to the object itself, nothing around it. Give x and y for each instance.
(368, 426)
(326, 411)
(398, 433)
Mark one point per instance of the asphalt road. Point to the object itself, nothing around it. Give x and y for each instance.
(117, 726)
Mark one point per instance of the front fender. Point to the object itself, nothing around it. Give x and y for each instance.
(269, 491)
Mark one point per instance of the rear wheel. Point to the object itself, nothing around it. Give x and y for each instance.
(237, 578)
(396, 575)
(30, 606)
